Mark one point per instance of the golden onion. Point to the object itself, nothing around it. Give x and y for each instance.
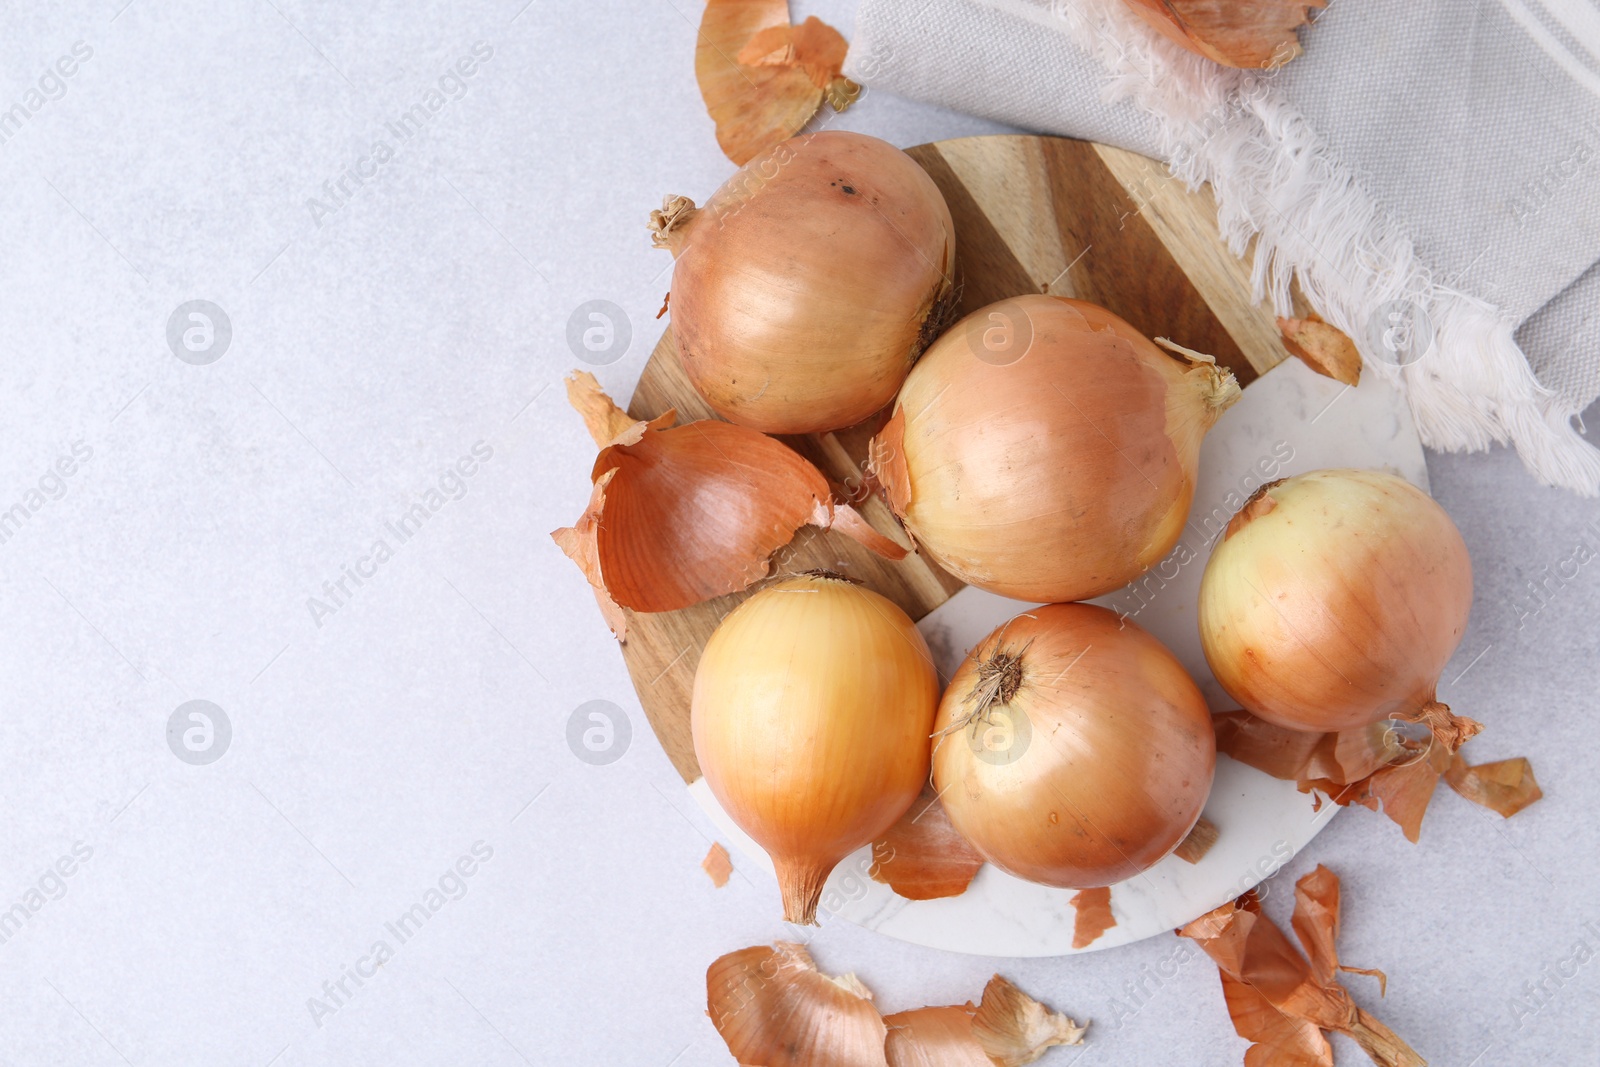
(1072, 748)
(1334, 600)
(1044, 449)
(809, 283)
(812, 706)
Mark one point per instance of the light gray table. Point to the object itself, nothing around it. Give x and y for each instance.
(397, 770)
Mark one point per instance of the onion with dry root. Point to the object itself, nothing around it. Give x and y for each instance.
(811, 712)
(1330, 607)
(808, 284)
(1044, 449)
(1072, 748)
(1334, 600)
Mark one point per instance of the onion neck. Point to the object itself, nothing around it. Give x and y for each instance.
(1449, 729)
(1218, 388)
(670, 224)
(1441, 735)
(801, 881)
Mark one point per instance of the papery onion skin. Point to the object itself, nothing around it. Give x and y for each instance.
(1117, 762)
(1260, 34)
(772, 1007)
(1334, 600)
(754, 107)
(934, 1037)
(803, 289)
(1056, 474)
(681, 514)
(811, 712)
(922, 857)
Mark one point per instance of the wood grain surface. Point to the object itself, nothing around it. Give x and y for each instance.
(1032, 215)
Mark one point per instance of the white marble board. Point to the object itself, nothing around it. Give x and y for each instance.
(1289, 420)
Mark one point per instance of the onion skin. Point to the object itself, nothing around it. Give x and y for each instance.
(1060, 475)
(1118, 761)
(772, 1006)
(1334, 600)
(812, 707)
(802, 287)
(680, 514)
(1259, 34)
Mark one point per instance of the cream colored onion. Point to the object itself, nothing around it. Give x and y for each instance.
(805, 288)
(1072, 748)
(1334, 600)
(1044, 449)
(812, 706)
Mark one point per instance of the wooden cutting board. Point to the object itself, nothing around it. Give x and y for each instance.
(1032, 215)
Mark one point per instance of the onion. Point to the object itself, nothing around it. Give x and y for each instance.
(808, 284)
(1073, 749)
(812, 707)
(1044, 449)
(1334, 600)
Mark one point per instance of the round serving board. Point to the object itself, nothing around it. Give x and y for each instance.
(1070, 218)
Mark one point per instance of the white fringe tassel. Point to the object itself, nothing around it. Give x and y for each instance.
(1277, 185)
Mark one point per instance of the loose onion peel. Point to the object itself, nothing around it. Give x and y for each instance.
(1322, 347)
(1376, 767)
(1193, 848)
(922, 857)
(718, 865)
(761, 77)
(773, 1008)
(934, 1037)
(1014, 1029)
(681, 514)
(1007, 1028)
(1505, 786)
(1091, 915)
(1279, 999)
(1236, 33)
